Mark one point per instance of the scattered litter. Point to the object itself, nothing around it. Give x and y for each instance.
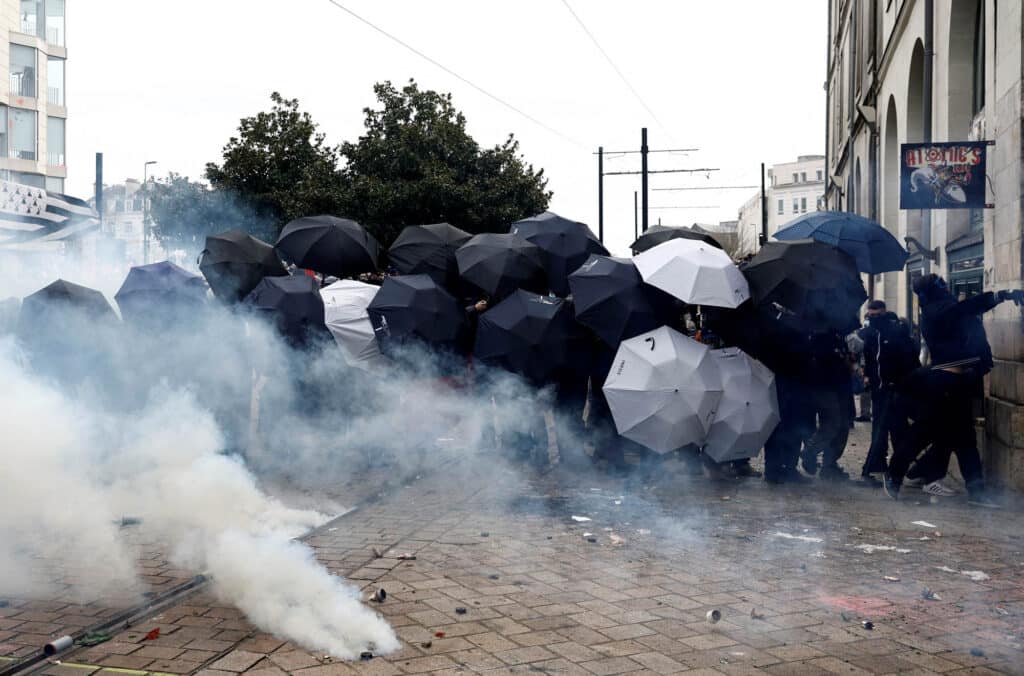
(426, 644)
(977, 652)
(365, 656)
(818, 555)
(607, 529)
(438, 634)
(844, 616)
(485, 534)
(924, 524)
(754, 615)
(129, 521)
(406, 557)
(928, 595)
(58, 645)
(596, 489)
(871, 549)
(460, 611)
(976, 575)
(1002, 611)
(856, 529)
(376, 553)
(93, 638)
(713, 616)
(643, 531)
(616, 540)
(803, 567)
(379, 595)
(618, 502)
(587, 535)
(891, 578)
(580, 519)
(924, 538)
(591, 540)
(868, 624)
(726, 497)
(803, 538)
(153, 635)
(493, 577)
(331, 530)
(938, 534)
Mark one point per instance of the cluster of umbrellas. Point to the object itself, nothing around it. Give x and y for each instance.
(555, 295)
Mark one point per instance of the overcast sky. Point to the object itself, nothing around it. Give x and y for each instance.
(739, 79)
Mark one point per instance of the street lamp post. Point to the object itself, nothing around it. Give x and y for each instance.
(145, 211)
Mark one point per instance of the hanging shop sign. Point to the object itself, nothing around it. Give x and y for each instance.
(943, 175)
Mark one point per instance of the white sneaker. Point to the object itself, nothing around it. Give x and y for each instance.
(939, 489)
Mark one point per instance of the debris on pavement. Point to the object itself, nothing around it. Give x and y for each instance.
(713, 616)
(643, 531)
(868, 624)
(754, 615)
(790, 536)
(379, 595)
(581, 519)
(365, 656)
(460, 611)
(616, 540)
(975, 575)
(928, 595)
(426, 644)
(977, 652)
(485, 534)
(843, 615)
(493, 577)
(924, 524)
(891, 578)
(376, 553)
(129, 521)
(92, 638)
(592, 540)
(153, 635)
(871, 549)
(407, 557)
(438, 634)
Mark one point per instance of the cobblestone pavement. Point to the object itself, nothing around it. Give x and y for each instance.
(819, 579)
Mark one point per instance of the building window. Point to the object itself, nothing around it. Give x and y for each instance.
(55, 141)
(818, 173)
(23, 71)
(782, 207)
(803, 205)
(22, 127)
(3, 131)
(32, 17)
(978, 84)
(55, 22)
(54, 184)
(803, 177)
(34, 180)
(795, 177)
(796, 206)
(55, 81)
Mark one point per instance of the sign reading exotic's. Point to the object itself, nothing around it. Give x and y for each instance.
(942, 175)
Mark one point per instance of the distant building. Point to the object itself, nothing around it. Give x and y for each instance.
(724, 233)
(33, 109)
(123, 236)
(794, 188)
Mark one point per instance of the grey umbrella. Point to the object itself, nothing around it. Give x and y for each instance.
(748, 411)
(663, 389)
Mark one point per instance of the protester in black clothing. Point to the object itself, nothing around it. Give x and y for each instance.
(890, 355)
(828, 373)
(961, 356)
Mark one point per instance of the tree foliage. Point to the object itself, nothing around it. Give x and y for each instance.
(184, 212)
(417, 164)
(280, 163)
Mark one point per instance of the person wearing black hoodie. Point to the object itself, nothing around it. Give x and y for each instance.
(890, 355)
(961, 357)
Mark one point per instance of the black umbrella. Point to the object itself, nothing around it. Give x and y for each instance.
(532, 335)
(612, 300)
(430, 250)
(500, 264)
(657, 234)
(565, 245)
(329, 245)
(293, 304)
(59, 299)
(159, 290)
(415, 308)
(234, 262)
(808, 283)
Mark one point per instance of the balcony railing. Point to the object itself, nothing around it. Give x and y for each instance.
(55, 159)
(23, 85)
(55, 36)
(22, 154)
(55, 96)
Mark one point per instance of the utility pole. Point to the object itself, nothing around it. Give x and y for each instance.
(99, 189)
(636, 219)
(764, 210)
(145, 211)
(600, 194)
(643, 173)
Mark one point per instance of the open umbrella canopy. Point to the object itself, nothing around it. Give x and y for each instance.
(565, 245)
(663, 389)
(748, 411)
(63, 297)
(693, 272)
(613, 301)
(500, 264)
(293, 304)
(807, 283)
(234, 262)
(329, 245)
(430, 250)
(159, 290)
(532, 335)
(872, 246)
(345, 313)
(416, 308)
(659, 234)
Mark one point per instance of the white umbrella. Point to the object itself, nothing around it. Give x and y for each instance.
(748, 411)
(663, 389)
(345, 304)
(694, 272)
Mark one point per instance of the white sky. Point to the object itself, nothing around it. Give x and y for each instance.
(739, 79)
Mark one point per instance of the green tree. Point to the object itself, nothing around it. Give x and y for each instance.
(184, 212)
(417, 164)
(279, 163)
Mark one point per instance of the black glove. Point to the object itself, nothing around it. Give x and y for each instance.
(1016, 295)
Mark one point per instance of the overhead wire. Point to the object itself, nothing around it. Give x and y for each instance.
(617, 70)
(451, 72)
